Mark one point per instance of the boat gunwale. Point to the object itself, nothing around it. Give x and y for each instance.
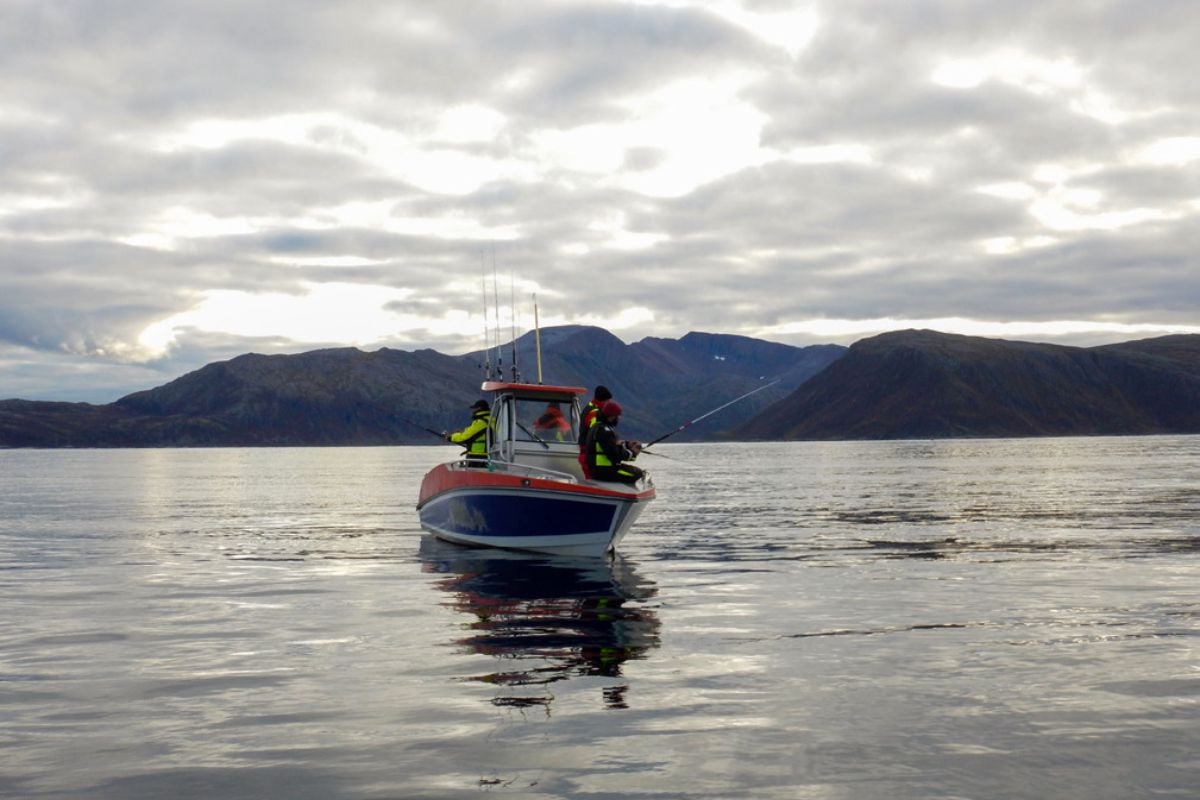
(455, 476)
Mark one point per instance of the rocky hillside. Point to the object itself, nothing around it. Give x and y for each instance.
(907, 384)
(924, 384)
(350, 397)
(663, 383)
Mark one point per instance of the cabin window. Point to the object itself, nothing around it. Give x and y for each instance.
(547, 421)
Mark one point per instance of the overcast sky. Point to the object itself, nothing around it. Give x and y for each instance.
(182, 182)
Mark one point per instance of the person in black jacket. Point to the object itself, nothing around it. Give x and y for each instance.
(587, 418)
(606, 454)
(588, 415)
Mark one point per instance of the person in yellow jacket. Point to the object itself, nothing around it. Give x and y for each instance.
(474, 437)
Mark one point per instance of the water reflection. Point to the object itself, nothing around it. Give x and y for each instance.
(547, 619)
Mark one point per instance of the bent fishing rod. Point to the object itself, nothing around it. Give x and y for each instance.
(710, 413)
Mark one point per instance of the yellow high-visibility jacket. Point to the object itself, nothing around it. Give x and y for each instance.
(474, 436)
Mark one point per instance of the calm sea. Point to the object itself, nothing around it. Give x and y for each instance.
(954, 619)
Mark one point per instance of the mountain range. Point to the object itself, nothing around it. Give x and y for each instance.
(347, 396)
(905, 384)
(925, 384)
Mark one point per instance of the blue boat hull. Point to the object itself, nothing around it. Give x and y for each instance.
(530, 519)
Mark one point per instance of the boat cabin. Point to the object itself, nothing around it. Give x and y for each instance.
(535, 428)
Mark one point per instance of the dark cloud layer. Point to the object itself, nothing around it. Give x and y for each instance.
(184, 181)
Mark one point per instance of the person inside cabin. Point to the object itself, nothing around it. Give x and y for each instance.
(606, 454)
(552, 424)
(587, 418)
(474, 437)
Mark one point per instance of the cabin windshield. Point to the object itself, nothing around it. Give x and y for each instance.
(553, 421)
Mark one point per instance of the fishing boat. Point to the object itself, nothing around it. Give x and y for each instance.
(531, 493)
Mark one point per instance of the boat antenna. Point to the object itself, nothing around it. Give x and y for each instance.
(710, 413)
(537, 338)
(487, 337)
(512, 303)
(499, 330)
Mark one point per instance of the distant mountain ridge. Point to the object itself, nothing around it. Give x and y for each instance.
(905, 384)
(924, 384)
(346, 396)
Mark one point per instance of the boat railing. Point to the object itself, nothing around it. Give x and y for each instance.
(541, 473)
(544, 473)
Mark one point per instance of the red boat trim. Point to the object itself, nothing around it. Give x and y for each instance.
(530, 388)
(442, 479)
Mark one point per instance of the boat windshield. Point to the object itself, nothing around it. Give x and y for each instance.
(552, 421)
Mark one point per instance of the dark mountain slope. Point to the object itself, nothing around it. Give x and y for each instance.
(919, 384)
(346, 396)
(342, 396)
(690, 376)
(663, 383)
(30, 423)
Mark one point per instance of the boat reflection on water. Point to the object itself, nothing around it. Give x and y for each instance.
(547, 618)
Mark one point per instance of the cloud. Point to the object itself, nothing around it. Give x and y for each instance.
(188, 180)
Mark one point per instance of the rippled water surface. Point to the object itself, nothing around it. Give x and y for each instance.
(964, 619)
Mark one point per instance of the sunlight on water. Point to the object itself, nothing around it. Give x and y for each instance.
(960, 619)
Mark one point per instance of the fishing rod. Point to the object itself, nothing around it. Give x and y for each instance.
(710, 413)
(537, 338)
(415, 424)
(487, 334)
(499, 328)
(406, 420)
(512, 305)
(657, 455)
